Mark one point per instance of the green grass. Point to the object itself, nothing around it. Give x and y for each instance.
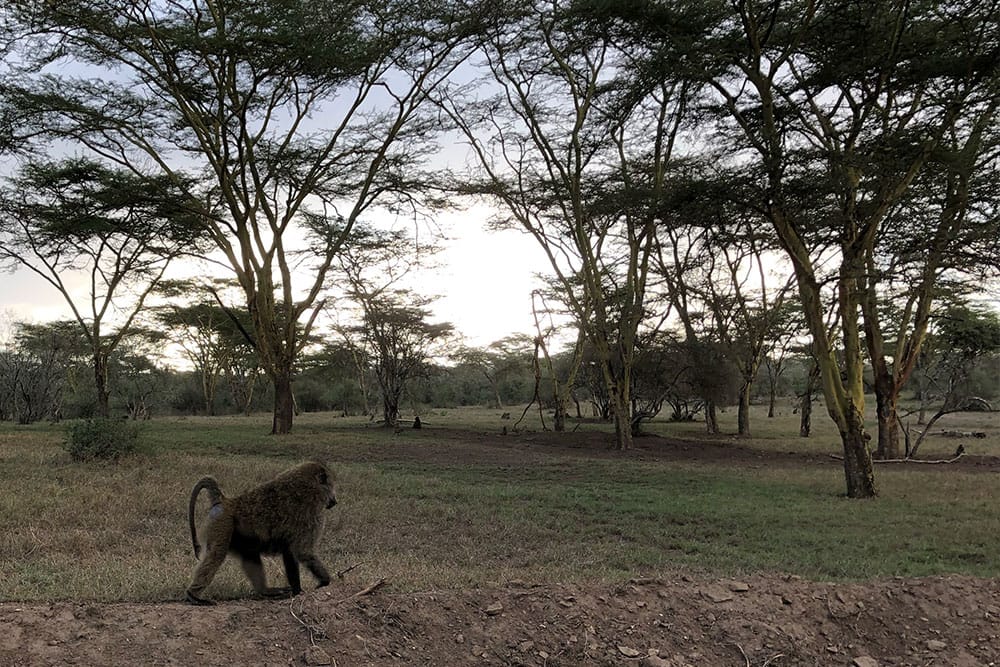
(439, 510)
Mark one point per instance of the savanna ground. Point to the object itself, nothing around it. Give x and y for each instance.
(459, 545)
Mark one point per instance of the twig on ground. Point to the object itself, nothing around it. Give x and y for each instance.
(340, 575)
(318, 630)
(314, 630)
(368, 590)
(743, 653)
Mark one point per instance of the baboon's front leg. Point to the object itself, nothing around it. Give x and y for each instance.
(316, 567)
(253, 567)
(292, 571)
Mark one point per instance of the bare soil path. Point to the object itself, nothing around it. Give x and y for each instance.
(672, 621)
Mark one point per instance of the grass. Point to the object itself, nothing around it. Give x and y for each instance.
(441, 510)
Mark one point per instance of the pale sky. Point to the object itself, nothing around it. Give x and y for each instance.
(484, 279)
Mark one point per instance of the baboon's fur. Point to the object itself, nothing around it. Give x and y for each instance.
(283, 516)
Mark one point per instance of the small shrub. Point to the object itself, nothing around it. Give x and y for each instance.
(100, 439)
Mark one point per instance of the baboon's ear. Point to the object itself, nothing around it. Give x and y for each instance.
(323, 478)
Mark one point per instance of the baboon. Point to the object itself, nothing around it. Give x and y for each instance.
(283, 516)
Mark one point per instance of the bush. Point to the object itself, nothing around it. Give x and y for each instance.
(103, 439)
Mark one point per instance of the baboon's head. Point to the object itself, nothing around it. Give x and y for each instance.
(325, 481)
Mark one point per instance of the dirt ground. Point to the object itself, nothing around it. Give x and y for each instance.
(672, 621)
(668, 622)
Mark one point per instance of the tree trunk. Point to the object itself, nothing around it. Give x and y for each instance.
(622, 414)
(284, 404)
(886, 395)
(561, 396)
(559, 418)
(858, 468)
(208, 390)
(743, 412)
(619, 401)
(711, 420)
(922, 413)
(772, 398)
(390, 406)
(101, 384)
(623, 432)
(805, 419)
(888, 427)
(812, 382)
(248, 397)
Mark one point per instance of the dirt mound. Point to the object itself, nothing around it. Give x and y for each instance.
(669, 622)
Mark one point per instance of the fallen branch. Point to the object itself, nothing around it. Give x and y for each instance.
(932, 461)
(961, 434)
(314, 629)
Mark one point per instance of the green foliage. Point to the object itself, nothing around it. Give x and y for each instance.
(101, 439)
(969, 331)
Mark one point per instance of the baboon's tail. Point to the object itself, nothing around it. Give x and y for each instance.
(215, 495)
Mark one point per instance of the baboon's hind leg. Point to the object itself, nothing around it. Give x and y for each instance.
(204, 572)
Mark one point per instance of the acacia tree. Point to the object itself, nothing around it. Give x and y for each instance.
(399, 340)
(391, 333)
(561, 377)
(115, 229)
(498, 361)
(360, 364)
(742, 299)
(699, 274)
(140, 376)
(967, 334)
(806, 100)
(939, 238)
(35, 369)
(842, 99)
(579, 167)
(210, 341)
(233, 92)
(788, 327)
(682, 260)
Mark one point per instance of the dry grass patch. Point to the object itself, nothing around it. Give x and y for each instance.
(448, 509)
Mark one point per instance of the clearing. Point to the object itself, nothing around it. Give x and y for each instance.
(378, 613)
